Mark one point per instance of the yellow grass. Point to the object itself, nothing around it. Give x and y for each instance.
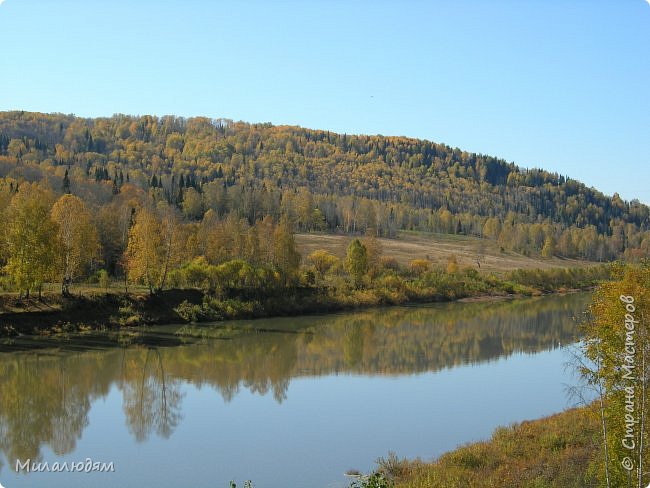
(437, 248)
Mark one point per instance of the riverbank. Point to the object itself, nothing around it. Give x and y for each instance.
(552, 452)
(96, 310)
(54, 313)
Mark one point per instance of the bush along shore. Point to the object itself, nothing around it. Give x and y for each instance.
(237, 290)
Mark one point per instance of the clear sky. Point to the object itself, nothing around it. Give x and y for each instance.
(558, 84)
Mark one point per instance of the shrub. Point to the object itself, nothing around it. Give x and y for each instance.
(452, 264)
(323, 262)
(192, 312)
(103, 279)
(375, 480)
(419, 266)
(389, 262)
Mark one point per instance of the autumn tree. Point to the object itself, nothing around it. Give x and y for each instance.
(356, 262)
(617, 347)
(305, 209)
(142, 253)
(212, 241)
(252, 251)
(373, 249)
(77, 242)
(154, 247)
(266, 230)
(549, 247)
(286, 257)
(30, 234)
(172, 250)
(16, 148)
(192, 204)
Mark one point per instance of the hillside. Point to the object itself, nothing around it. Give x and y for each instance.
(321, 181)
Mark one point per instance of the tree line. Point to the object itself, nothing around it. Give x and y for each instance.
(46, 238)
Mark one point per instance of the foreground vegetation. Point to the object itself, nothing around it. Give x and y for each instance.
(617, 347)
(552, 452)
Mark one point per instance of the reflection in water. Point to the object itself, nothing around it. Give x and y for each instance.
(47, 388)
(151, 399)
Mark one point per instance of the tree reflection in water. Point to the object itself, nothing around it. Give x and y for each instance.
(152, 400)
(47, 387)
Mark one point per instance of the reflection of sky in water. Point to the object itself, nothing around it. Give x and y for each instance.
(324, 425)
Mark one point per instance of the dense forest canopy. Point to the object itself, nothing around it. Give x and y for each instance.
(318, 180)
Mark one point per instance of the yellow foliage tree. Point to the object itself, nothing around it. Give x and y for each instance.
(373, 250)
(155, 247)
(617, 345)
(77, 242)
(286, 257)
(549, 248)
(29, 233)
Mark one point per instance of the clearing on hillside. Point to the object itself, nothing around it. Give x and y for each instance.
(469, 251)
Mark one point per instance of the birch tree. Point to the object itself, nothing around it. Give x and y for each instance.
(286, 257)
(155, 247)
(77, 241)
(616, 343)
(29, 234)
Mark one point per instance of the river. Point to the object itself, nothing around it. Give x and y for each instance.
(283, 402)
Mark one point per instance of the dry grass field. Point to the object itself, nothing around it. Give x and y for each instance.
(437, 248)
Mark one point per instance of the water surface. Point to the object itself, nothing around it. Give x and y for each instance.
(286, 402)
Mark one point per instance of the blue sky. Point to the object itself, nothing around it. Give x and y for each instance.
(562, 85)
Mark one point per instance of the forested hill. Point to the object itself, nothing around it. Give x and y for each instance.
(320, 179)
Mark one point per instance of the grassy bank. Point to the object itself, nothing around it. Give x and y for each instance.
(552, 452)
(54, 313)
(96, 309)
